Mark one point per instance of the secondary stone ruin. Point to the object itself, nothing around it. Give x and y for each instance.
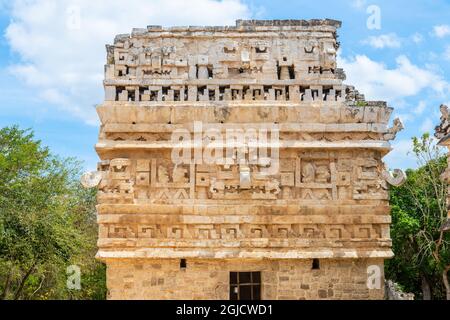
(296, 208)
(442, 132)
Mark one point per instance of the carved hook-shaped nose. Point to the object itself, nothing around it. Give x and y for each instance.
(91, 179)
(395, 178)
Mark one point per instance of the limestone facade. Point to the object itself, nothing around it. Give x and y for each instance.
(301, 201)
(442, 132)
(284, 279)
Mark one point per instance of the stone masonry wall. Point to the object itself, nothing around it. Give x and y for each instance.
(209, 279)
(297, 172)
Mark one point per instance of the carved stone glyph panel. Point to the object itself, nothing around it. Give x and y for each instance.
(247, 231)
(321, 176)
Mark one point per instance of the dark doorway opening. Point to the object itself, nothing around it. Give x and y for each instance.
(245, 285)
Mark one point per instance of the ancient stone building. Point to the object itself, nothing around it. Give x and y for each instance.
(236, 164)
(442, 132)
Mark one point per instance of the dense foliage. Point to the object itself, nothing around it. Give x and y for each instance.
(47, 223)
(422, 251)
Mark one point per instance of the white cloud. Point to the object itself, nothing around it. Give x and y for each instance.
(417, 38)
(359, 4)
(63, 64)
(400, 157)
(410, 114)
(390, 40)
(441, 31)
(447, 53)
(379, 82)
(427, 126)
(404, 117)
(420, 108)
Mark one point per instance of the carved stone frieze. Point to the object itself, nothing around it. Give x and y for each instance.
(240, 148)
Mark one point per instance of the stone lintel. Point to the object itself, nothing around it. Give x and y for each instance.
(170, 253)
(242, 219)
(374, 207)
(383, 146)
(310, 208)
(323, 114)
(221, 82)
(283, 127)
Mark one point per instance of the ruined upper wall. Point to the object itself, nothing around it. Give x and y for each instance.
(268, 50)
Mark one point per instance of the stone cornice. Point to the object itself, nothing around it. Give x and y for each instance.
(171, 253)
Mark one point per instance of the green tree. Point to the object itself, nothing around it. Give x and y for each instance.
(47, 222)
(419, 209)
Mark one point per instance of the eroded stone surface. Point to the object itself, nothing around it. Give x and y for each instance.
(442, 132)
(327, 200)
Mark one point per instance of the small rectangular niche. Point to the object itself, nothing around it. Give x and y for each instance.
(229, 50)
(183, 264)
(261, 49)
(315, 264)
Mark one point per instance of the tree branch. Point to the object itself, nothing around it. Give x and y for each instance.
(7, 285)
(445, 279)
(22, 282)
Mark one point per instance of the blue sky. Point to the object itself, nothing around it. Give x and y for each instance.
(52, 55)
